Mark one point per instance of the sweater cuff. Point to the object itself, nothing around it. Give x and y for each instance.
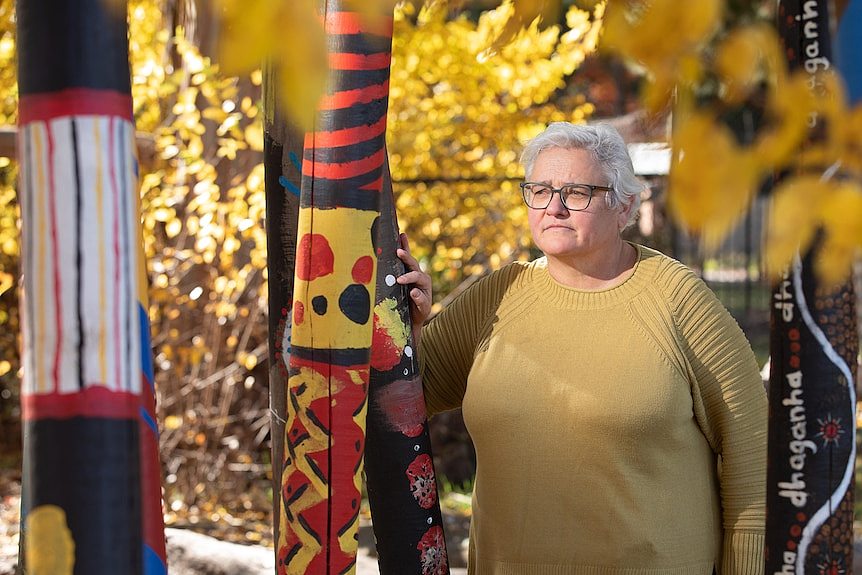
(743, 553)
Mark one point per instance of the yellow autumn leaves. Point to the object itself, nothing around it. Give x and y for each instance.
(663, 36)
(713, 176)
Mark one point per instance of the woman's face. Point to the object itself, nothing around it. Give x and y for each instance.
(562, 234)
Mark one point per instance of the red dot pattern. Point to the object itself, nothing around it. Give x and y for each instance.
(298, 312)
(314, 257)
(362, 270)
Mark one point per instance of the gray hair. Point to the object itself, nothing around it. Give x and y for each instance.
(607, 147)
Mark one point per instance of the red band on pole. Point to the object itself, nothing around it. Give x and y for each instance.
(73, 102)
(94, 401)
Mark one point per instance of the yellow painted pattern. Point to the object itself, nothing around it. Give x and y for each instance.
(103, 362)
(40, 235)
(316, 387)
(389, 321)
(49, 547)
(350, 230)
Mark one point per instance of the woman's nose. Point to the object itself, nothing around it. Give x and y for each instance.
(556, 207)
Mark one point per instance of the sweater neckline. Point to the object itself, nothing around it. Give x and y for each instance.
(552, 291)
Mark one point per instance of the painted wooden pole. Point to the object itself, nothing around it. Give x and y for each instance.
(342, 167)
(282, 151)
(399, 468)
(92, 496)
(812, 399)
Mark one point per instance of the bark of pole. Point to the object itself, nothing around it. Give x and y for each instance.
(812, 397)
(399, 467)
(91, 491)
(334, 285)
(282, 149)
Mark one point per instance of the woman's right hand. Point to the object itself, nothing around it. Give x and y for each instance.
(420, 288)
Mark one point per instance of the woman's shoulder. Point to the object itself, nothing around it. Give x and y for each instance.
(686, 294)
(482, 295)
(512, 276)
(672, 281)
(665, 271)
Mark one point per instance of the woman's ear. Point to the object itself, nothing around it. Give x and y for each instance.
(624, 213)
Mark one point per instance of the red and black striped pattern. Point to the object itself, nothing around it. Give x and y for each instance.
(331, 315)
(343, 158)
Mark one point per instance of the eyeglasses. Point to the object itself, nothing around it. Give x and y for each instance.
(575, 197)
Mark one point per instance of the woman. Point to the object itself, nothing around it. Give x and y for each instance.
(616, 408)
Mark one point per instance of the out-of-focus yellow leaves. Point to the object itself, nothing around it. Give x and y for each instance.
(841, 215)
(302, 63)
(850, 134)
(526, 13)
(663, 36)
(173, 227)
(809, 129)
(711, 180)
(376, 14)
(7, 280)
(802, 206)
(788, 109)
(793, 219)
(742, 56)
(250, 31)
(254, 136)
(172, 422)
(288, 35)
(813, 201)
(299, 57)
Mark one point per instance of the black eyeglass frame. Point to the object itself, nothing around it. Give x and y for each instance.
(592, 189)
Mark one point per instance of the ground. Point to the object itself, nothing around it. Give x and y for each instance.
(455, 513)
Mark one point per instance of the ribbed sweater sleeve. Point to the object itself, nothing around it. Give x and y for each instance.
(731, 408)
(449, 341)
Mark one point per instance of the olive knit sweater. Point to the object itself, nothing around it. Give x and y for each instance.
(620, 431)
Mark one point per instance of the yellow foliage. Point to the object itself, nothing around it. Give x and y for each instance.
(712, 180)
(787, 110)
(8, 202)
(662, 36)
(841, 217)
(810, 133)
(793, 219)
(802, 206)
(289, 36)
(742, 55)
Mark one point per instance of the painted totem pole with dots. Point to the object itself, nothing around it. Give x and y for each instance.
(401, 482)
(814, 343)
(334, 334)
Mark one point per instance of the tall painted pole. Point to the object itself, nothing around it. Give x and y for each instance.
(336, 262)
(282, 151)
(812, 399)
(91, 493)
(399, 467)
